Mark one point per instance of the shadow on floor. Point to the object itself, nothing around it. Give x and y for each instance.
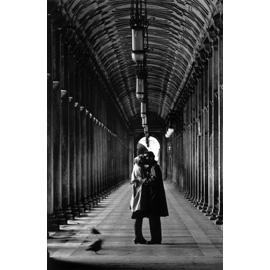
(54, 264)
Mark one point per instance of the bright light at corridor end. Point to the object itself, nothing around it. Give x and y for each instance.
(154, 146)
(169, 132)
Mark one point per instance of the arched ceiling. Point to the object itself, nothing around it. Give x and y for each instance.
(175, 33)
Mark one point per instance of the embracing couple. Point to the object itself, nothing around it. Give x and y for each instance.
(148, 197)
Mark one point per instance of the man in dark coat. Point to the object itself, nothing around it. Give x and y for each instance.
(157, 199)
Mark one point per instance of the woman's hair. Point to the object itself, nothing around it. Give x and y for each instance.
(139, 160)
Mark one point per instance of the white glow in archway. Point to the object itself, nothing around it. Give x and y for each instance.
(154, 146)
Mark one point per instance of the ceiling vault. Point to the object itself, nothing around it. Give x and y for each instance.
(176, 32)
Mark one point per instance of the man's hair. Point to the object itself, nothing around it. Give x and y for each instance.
(150, 154)
(139, 160)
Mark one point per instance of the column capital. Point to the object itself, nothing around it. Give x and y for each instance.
(63, 93)
(56, 85)
(70, 99)
(76, 104)
(81, 108)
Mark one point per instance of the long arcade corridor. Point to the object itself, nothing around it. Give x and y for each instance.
(119, 71)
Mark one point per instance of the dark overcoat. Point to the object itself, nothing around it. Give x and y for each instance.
(157, 198)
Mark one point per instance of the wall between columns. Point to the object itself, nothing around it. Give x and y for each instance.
(195, 150)
(87, 141)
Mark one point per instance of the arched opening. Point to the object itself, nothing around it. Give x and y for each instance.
(154, 146)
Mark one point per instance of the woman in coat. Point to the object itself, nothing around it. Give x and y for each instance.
(138, 204)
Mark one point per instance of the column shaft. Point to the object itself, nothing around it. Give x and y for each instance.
(83, 157)
(220, 143)
(73, 158)
(210, 136)
(65, 154)
(79, 159)
(206, 134)
(216, 131)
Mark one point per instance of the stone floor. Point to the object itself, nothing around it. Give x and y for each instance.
(190, 240)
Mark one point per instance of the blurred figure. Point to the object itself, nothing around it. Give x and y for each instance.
(157, 204)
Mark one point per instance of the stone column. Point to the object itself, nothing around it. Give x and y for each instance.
(201, 138)
(101, 159)
(83, 157)
(73, 157)
(131, 151)
(79, 158)
(216, 131)
(196, 182)
(65, 154)
(164, 157)
(49, 145)
(189, 148)
(190, 145)
(219, 220)
(88, 160)
(94, 162)
(206, 134)
(211, 68)
(57, 163)
(97, 156)
(49, 120)
(194, 146)
(91, 185)
(185, 144)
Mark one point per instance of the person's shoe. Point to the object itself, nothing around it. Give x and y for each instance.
(152, 242)
(140, 241)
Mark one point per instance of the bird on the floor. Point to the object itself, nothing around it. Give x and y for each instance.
(94, 231)
(96, 245)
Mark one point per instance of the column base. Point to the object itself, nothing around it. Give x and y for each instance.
(68, 213)
(81, 208)
(200, 205)
(96, 200)
(86, 205)
(214, 214)
(75, 210)
(195, 203)
(52, 224)
(204, 209)
(60, 217)
(91, 202)
(209, 211)
(219, 220)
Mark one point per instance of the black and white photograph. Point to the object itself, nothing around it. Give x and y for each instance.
(119, 121)
(135, 134)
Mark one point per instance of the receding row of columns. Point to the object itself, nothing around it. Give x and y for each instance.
(86, 156)
(195, 152)
(202, 137)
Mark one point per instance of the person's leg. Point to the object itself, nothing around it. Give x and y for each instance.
(138, 231)
(155, 229)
